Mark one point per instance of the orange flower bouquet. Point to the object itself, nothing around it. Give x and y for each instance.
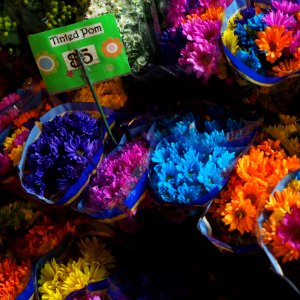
(279, 226)
(231, 220)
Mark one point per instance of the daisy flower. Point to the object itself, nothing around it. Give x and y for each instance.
(273, 40)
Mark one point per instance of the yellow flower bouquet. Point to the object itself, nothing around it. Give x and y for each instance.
(73, 265)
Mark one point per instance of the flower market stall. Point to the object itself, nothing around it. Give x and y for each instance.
(149, 149)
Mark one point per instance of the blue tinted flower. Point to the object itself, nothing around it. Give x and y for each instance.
(241, 32)
(213, 139)
(188, 193)
(256, 23)
(233, 124)
(181, 128)
(210, 176)
(188, 170)
(249, 59)
(167, 173)
(210, 126)
(178, 149)
(225, 160)
(161, 155)
(167, 191)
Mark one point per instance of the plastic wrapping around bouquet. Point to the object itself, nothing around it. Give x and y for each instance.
(204, 227)
(78, 186)
(241, 68)
(129, 206)
(99, 287)
(274, 262)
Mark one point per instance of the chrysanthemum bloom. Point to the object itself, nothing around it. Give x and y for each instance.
(13, 278)
(23, 118)
(213, 13)
(17, 138)
(230, 40)
(42, 238)
(57, 157)
(295, 184)
(280, 231)
(286, 67)
(240, 215)
(58, 280)
(273, 40)
(15, 154)
(249, 59)
(278, 19)
(117, 176)
(286, 6)
(111, 94)
(202, 59)
(176, 12)
(253, 191)
(197, 30)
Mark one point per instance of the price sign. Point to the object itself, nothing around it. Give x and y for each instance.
(98, 40)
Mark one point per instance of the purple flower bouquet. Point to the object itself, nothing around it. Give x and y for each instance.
(61, 152)
(119, 184)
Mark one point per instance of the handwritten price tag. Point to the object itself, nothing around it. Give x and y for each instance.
(98, 40)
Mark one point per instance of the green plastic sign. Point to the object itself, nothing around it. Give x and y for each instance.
(98, 40)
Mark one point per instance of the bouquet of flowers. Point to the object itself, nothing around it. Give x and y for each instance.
(61, 152)
(287, 131)
(262, 41)
(191, 38)
(15, 217)
(279, 226)
(111, 94)
(231, 221)
(135, 20)
(14, 277)
(72, 266)
(119, 184)
(190, 167)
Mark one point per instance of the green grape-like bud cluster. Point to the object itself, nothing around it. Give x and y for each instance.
(59, 14)
(7, 26)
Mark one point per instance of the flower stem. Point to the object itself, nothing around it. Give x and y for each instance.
(85, 72)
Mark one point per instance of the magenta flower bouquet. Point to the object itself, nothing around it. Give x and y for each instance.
(191, 38)
(119, 183)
